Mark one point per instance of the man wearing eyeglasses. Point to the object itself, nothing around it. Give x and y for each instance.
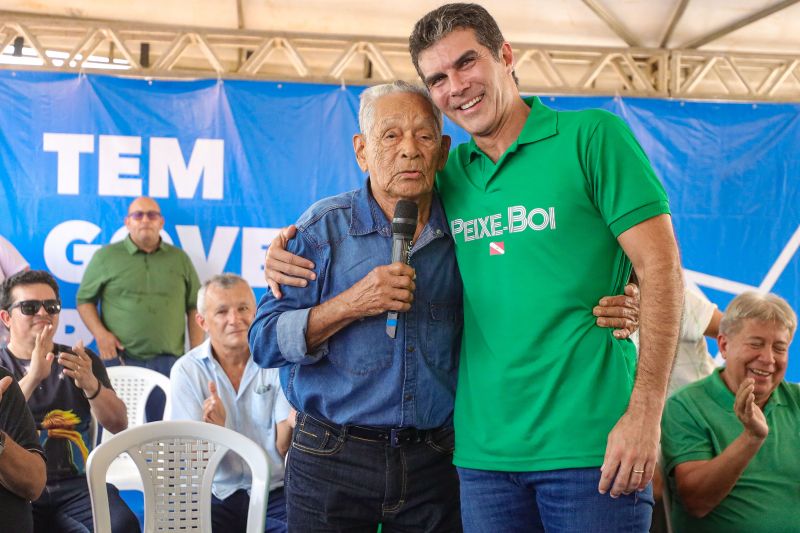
(147, 293)
(64, 388)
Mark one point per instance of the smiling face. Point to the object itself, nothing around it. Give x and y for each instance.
(227, 315)
(470, 86)
(758, 350)
(25, 328)
(403, 149)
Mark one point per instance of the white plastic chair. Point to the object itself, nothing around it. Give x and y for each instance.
(177, 461)
(133, 385)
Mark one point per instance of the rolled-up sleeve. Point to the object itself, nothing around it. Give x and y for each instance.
(278, 333)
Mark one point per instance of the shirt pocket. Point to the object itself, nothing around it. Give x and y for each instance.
(439, 328)
(363, 347)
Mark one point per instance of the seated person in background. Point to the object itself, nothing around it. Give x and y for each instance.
(22, 467)
(219, 383)
(731, 441)
(64, 388)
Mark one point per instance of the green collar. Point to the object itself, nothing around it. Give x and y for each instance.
(542, 123)
(721, 394)
(131, 247)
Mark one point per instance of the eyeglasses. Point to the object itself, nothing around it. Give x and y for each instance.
(31, 307)
(139, 215)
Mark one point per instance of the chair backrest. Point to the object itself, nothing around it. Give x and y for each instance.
(133, 385)
(177, 461)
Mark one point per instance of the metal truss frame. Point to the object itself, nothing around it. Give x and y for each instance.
(168, 52)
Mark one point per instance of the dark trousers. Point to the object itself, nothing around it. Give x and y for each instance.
(338, 482)
(230, 515)
(65, 507)
(154, 409)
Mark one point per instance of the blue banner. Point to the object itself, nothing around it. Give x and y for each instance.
(231, 161)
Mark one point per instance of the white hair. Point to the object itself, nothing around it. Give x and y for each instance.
(366, 110)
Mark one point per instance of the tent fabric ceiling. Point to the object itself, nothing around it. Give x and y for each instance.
(562, 22)
(704, 49)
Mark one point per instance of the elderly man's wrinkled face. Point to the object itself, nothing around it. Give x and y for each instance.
(759, 350)
(403, 150)
(144, 222)
(25, 328)
(227, 315)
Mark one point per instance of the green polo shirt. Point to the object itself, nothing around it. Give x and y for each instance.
(143, 297)
(699, 424)
(539, 385)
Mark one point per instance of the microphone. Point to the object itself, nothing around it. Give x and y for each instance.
(404, 224)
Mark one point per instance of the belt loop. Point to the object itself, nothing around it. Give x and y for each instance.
(394, 438)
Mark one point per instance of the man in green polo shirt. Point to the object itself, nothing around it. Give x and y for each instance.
(731, 441)
(557, 423)
(147, 293)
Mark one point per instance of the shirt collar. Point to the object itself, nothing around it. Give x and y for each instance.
(367, 217)
(131, 247)
(542, 123)
(720, 392)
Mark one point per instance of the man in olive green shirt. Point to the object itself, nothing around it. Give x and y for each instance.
(146, 289)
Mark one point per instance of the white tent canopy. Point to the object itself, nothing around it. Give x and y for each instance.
(732, 49)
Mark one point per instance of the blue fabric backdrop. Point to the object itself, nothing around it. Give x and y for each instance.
(230, 160)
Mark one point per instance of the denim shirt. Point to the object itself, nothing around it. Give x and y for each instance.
(360, 375)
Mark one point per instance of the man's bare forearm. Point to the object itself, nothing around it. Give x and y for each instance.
(328, 318)
(661, 307)
(28, 384)
(654, 254)
(21, 471)
(109, 410)
(703, 485)
(91, 318)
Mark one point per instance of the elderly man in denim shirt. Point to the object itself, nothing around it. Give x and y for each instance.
(374, 439)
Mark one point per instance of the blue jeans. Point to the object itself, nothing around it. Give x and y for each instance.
(154, 409)
(65, 506)
(555, 501)
(230, 515)
(337, 482)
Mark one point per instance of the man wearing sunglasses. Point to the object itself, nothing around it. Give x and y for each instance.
(64, 388)
(146, 290)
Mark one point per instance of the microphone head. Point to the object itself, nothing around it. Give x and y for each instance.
(404, 221)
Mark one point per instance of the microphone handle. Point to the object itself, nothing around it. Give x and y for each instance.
(399, 253)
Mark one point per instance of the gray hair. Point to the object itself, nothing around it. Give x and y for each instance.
(445, 19)
(366, 111)
(757, 306)
(224, 281)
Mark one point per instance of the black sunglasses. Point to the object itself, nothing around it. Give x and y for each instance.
(31, 307)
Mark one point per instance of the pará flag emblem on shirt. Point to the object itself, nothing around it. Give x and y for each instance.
(497, 248)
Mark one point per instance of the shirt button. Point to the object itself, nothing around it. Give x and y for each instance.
(410, 349)
(438, 232)
(409, 397)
